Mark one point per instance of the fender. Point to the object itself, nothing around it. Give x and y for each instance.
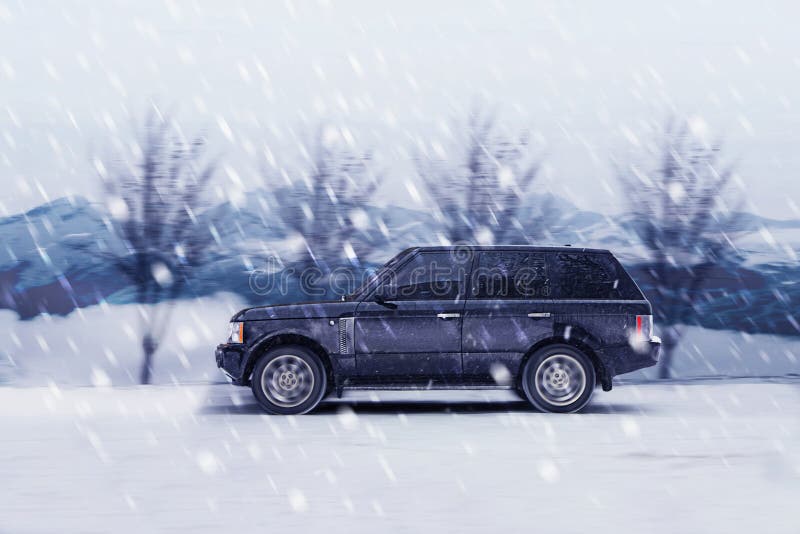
(581, 340)
(287, 335)
(571, 332)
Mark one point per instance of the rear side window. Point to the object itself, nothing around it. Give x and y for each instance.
(581, 275)
(511, 275)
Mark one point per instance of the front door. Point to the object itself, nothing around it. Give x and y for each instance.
(410, 326)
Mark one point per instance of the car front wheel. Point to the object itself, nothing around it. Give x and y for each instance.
(559, 379)
(289, 380)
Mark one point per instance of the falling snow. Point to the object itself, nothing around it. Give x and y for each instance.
(166, 164)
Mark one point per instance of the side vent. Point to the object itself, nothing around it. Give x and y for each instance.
(346, 335)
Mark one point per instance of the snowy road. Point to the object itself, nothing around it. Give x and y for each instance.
(711, 457)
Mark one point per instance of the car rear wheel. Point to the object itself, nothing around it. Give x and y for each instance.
(289, 380)
(559, 379)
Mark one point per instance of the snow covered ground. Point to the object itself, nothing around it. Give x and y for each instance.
(702, 456)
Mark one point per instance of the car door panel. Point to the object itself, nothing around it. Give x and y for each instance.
(499, 332)
(411, 339)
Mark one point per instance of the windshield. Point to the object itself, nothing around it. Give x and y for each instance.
(376, 275)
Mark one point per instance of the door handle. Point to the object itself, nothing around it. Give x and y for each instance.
(448, 315)
(539, 315)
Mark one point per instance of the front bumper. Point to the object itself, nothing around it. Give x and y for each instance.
(231, 358)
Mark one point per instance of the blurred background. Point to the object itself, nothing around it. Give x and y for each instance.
(159, 159)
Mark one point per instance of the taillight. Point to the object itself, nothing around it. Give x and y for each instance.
(644, 326)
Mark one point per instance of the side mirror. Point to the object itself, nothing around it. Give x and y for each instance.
(379, 299)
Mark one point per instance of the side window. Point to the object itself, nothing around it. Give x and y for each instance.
(589, 276)
(511, 275)
(428, 276)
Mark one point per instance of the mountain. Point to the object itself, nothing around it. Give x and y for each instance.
(49, 260)
(40, 270)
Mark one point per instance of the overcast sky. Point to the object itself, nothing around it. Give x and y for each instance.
(586, 77)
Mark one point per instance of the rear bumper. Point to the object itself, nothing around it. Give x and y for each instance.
(231, 359)
(626, 359)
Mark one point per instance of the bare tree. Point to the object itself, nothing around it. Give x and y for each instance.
(326, 206)
(479, 193)
(154, 198)
(677, 200)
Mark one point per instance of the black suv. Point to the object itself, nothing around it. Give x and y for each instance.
(548, 322)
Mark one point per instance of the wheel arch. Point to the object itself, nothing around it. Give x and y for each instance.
(278, 339)
(581, 344)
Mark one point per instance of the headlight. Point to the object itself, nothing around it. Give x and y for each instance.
(236, 333)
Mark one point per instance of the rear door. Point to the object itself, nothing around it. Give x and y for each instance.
(509, 308)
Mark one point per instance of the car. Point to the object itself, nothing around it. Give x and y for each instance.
(551, 323)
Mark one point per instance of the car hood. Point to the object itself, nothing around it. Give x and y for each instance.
(302, 310)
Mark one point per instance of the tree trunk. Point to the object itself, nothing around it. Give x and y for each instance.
(668, 345)
(148, 349)
(665, 362)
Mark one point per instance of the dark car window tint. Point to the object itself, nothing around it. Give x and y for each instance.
(428, 276)
(591, 276)
(377, 275)
(511, 275)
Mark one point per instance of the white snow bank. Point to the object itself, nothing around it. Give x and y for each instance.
(705, 352)
(101, 345)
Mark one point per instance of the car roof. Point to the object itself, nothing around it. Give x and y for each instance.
(566, 248)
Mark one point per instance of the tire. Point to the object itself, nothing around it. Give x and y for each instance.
(289, 380)
(558, 379)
